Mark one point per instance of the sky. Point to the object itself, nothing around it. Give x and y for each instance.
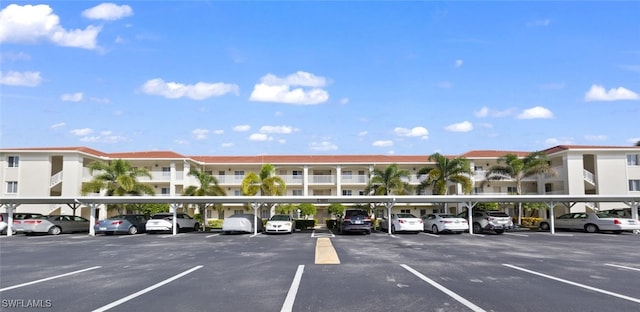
(319, 77)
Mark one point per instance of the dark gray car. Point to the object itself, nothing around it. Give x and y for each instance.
(354, 220)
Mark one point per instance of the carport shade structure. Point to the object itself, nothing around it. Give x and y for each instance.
(11, 203)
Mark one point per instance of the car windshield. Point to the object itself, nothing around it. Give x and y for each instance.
(447, 216)
(498, 214)
(119, 217)
(161, 216)
(405, 215)
(353, 213)
(280, 218)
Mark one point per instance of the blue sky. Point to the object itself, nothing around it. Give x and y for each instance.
(323, 77)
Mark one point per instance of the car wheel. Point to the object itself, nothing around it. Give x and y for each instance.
(133, 230)
(434, 229)
(499, 231)
(178, 228)
(544, 226)
(196, 227)
(591, 228)
(108, 233)
(477, 228)
(55, 230)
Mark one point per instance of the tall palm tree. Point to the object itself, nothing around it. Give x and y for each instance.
(456, 170)
(208, 186)
(264, 183)
(118, 178)
(518, 169)
(638, 143)
(390, 181)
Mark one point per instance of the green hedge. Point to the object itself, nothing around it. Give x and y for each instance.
(303, 224)
(214, 224)
(332, 224)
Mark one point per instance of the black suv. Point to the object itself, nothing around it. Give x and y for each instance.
(354, 220)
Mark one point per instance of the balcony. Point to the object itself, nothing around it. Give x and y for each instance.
(354, 179)
(322, 179)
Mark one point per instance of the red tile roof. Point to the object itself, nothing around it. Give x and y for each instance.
(69, 148)
(148, 155)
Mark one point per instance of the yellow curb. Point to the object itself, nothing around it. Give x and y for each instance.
(325, 253)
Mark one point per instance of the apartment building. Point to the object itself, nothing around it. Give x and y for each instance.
(61, 171)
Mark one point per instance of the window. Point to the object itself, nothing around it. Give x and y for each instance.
(166, 171)
(360, 193)
(347, 175)
(296, 192)
(12, 187)
(346, 192)
(361, 176)
(239, 173)
(634, 185)
(632, 160)
(236, 193)
(405, 210)
(297, 174)
(512, 190)
(548, 188)
(476, 190)
(165, 191)
(13, 161)
(238, 212)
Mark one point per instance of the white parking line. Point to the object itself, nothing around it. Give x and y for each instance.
(430, 234)
(212, 235)
(321, 234)
(293, 290)
(622, 267)
(443, 289)
(602, 291)
(49, 278)
(146, 290)
(514, 234)
(125, 236)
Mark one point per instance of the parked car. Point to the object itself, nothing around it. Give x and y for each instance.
(128, 223)
(280, 223)
(53, 224)
(241, 223)
(444, 222)
(354, 220)
(496, 221)
(17, 219)
(623, 212)
(163, 222)
(402, 222)
(592, 222)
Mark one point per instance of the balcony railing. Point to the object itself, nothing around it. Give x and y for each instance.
(588, 176)
(322, 179)
(354, 179)
(55, 179)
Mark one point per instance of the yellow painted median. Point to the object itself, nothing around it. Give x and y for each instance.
(325, 253)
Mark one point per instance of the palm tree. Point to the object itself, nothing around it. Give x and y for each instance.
(118, 178)
(208, 187)
(518, 169)
(456, 170)
(390, 181)
(264, 183)
(638, 143)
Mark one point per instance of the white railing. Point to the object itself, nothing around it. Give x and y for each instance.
(229, 179)
(321, 179)
(588, 176)
(55, 179)
(354, 179)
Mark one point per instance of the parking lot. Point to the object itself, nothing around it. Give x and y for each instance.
(517, 271)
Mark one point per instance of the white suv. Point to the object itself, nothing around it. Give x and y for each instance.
(496, 221)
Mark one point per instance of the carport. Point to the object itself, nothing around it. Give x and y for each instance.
(468, 201)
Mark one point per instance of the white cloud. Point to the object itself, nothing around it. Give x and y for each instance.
(464, 126)
(421, 132)
(11, 56)
(84, 131)
(483, 112)
(487, 112)
(260, 137)
(363, 133)
(537, 112)
(218, 131)
(600, 137)
(198, 91)
(31, 23)
(241, 128)
(58, 125)
(200, 134)
(323, 146)
(383, 143)
(103, 137)
(458, 63)
(279, 90)
(108, 11)
(100, 100)
(72, 97)
(22, 79)
(539, 23)
(344, 101)
(276, 129)
(558, 141)
(181, 142)
(228, 144)
(598, 93)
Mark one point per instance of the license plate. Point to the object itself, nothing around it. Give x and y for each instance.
(103, 228)
(412, 222)
(357, 222)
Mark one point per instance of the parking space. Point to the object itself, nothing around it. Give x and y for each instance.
(531, 271)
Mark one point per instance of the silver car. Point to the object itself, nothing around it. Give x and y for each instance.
(592, 222)
(53, 224)
(496, 221)
(128, 224)
(241, 223)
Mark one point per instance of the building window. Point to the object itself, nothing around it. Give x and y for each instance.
(346, 192)
(296, 192)
(236, 193)
(239, 173)
(360, 193)
(347, 175)
(634, 185)
(405, 210)
(297, 174)
(12, 187)
(476, 190)
(238, 211)
(165, 191)
(632, 160)
(512, 190)
(13, 161)
(166, 171)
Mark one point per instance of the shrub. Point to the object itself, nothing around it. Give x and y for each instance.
(215, 224)
(302, 224)
(530, 221)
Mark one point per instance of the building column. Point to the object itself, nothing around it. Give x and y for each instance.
(305, 180)
(339, 180)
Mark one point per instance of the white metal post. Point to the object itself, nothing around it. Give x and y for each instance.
(10, 209)
(389, 206)
(255, 207)
(470, 206)
(174, 207)
(92, 218)
(552, 219)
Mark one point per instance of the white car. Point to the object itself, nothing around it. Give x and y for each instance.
(280, 224)
(444, 222)
(163, 222)
(402, 222)
(241, 223)
(592, 222)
